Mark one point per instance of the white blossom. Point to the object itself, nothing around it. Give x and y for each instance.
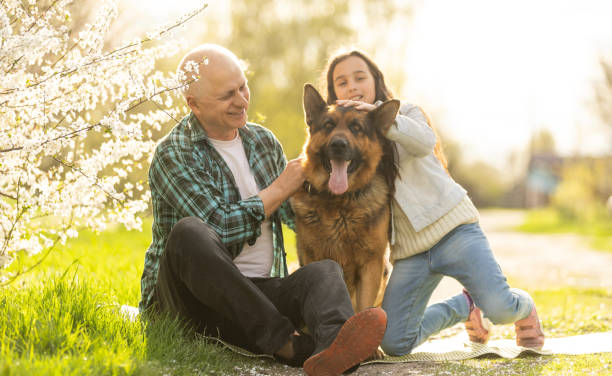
(60, 94)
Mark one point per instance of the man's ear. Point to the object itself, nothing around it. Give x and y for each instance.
(192, 103)
(314, 104)
(384, 115)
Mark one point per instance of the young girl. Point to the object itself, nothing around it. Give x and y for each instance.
(436, 230)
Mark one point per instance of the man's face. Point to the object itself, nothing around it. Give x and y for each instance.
(221, 101)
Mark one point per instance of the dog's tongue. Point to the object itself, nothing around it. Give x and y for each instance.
(338, 180)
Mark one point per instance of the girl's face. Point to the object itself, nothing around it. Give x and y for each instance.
(353, 80)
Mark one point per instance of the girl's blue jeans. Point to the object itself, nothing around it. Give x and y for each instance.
(464, 254)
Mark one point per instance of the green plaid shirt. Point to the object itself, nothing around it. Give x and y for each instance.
(188, 177)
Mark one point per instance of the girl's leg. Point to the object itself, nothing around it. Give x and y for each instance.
(465, 255)
(409, 323)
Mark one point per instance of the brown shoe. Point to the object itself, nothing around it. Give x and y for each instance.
(477, 328)
(358, 338)
(529, 331)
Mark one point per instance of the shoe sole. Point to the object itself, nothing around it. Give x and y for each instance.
(358, 338)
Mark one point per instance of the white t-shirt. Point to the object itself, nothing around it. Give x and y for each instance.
(254, 260)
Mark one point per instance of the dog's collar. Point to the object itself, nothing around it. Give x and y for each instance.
(311, 190)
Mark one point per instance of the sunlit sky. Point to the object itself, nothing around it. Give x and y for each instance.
(498, 71)
(493, 72)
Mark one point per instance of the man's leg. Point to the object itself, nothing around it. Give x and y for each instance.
(198, 280)
(317, 294)
(314, 295)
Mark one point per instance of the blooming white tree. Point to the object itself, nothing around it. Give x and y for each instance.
(73, 124)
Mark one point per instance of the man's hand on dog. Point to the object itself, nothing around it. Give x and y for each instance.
(292, 177)
(363, 106)
(287, 183)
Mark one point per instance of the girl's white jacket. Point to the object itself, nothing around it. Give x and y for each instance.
(424, 190)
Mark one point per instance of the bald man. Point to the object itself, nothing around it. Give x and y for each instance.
(219, 186)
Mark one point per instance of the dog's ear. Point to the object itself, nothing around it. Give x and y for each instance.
(314, 104)
(384, 115)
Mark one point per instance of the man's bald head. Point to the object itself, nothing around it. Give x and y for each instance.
(217, 91)
(201, 61)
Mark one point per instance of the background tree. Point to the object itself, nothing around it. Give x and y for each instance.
(586, 182)
(542, 142)
(603, 92)
(484, 183)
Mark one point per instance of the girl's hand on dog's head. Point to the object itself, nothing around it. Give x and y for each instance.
(362, 106)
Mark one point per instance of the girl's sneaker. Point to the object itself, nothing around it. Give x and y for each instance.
(529, 331)
(477, 327)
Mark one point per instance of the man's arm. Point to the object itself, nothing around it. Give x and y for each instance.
(288, 182)
(192, 191)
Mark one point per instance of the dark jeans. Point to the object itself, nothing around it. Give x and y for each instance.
(198, 280)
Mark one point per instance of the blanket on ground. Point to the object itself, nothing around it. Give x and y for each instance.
(458, 347)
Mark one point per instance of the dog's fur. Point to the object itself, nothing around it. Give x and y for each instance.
(344, 216)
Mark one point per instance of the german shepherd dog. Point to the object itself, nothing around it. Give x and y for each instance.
(343, 209)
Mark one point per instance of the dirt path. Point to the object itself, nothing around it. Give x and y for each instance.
(557, 259)
(534, 261)
(531, 261)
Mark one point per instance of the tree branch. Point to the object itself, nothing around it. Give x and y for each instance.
(109, 54)
(95, 180)
(8, 196)
(164, 111)
(75, 133)
(40, 260)
(9, 234)
(44, 102)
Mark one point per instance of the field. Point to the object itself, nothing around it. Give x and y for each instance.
(549, 221)
(63, 318)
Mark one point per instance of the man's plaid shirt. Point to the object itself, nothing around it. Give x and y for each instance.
(188, 177)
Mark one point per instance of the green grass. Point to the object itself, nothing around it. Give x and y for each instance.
(290, 248)
(63, 319)
(114, 257)
(72, 326)
(550, 221)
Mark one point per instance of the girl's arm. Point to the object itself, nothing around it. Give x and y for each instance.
(412, 131)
